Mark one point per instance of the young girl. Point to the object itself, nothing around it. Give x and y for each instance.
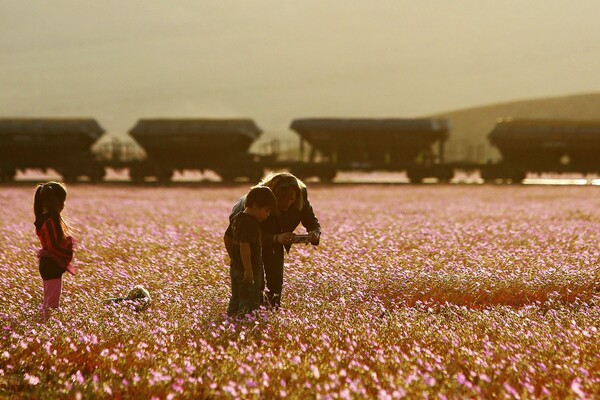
(56, 253)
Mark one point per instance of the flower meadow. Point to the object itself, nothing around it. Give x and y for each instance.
(442, 292)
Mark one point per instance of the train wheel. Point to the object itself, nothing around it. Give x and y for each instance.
(136, 174)
(7, 175)
(164, 175)
(517, 177)
(444, 174)
(300, 174)
(327, 173)
(328, 177)
(96, 178)
(97, 175)
(255, 175)
(414, 175)
(226, 176)
(69, 176)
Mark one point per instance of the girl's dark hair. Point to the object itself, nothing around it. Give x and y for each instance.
(50, 198)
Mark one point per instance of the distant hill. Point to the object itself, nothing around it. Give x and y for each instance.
(470, 127)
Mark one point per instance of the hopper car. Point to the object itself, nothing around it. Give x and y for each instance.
(389, 144)
(196, 144)
(61, 144)
(543, 146)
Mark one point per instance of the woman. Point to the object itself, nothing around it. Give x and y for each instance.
(277, 230)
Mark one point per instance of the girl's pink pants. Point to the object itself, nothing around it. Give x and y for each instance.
(52, 289)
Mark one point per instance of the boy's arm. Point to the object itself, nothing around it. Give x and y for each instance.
(228, 240)
(246, 254)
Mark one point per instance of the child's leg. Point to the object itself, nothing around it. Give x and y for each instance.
(249, 294)
(51, 273)
(52, 289)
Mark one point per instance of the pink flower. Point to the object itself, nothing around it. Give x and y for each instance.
(31, 379)
(576, 388)
(315, 371)
(78, 377)
(510, 390)
(107, 389)
(429, 380)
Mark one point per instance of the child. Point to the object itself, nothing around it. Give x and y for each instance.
(243, 244)
(56, 253)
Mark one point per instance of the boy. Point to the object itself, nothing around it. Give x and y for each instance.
(243, 243)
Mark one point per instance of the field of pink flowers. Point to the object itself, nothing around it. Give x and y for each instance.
(431, 291)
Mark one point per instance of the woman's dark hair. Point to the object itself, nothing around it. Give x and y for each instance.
(261, 196)
(50, 198)
(283, 184)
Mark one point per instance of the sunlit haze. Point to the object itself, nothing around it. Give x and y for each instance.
(278, 60)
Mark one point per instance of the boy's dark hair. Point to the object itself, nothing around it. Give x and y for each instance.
(261, 196)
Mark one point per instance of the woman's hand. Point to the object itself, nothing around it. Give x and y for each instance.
(314, 237)
(285, 238)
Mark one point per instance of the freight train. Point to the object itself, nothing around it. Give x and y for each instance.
(326, 146)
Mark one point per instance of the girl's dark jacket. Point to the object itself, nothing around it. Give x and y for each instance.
(286, 221)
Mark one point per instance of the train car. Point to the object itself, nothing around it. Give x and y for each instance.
(63, 144)
(220, 145)
(543, 146)
(389, 144)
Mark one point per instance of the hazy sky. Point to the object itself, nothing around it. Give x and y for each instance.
(275, 60)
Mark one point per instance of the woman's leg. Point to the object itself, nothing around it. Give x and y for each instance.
(234, 300)
(273, 264)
